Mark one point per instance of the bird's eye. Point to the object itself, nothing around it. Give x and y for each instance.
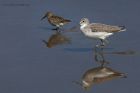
(83, 21)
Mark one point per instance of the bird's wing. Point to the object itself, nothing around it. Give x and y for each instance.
(98, 27)
(58, 19)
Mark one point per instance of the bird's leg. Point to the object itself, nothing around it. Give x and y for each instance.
(99, 56)
(56, 28)
(101, 45)
(104, 42)
(103, 61)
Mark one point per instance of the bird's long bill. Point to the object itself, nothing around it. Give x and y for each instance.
(80, 22)
(44, 17)
(46, 43)
(77, 82)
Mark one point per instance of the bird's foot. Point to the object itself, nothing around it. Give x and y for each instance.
(55, 29)
(100, 46)
(104, 42)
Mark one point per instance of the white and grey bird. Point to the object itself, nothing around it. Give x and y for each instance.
(99, 30)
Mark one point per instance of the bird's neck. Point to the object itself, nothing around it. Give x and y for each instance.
(83, 26)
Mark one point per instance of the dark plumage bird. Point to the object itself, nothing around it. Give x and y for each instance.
(55, 20)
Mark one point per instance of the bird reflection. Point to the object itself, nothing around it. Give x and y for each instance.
(101, 73)
(99, 54)
(56, 39)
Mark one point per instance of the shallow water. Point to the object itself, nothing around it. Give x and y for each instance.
(28, 66)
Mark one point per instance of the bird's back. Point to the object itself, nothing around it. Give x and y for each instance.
(56, 20)
(98, 27)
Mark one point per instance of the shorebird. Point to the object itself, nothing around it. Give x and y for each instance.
(55, 20)
(99, 30)
(99, 75)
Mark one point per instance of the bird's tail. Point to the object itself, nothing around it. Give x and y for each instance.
(66, 20)
(122, 75)
(122, 28)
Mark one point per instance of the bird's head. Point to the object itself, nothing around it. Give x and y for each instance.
(84, 22)
(49, 14)
(86, 85)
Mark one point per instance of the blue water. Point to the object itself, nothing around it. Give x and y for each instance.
(28, 66)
